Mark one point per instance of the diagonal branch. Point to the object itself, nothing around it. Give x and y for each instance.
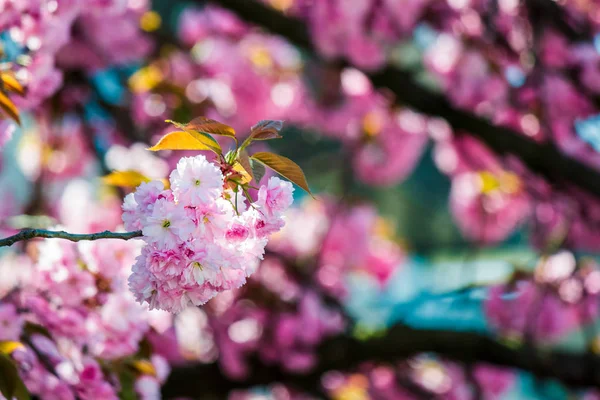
(543, 158)
(551, 13)
(27, 234)
(344, 353)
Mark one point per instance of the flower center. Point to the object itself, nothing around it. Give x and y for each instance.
(166, 223)
(197, 182)
(198, 265)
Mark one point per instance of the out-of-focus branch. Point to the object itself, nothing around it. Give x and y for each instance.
(27, 234)
(542, 158)
(551, 13)
(344, 353)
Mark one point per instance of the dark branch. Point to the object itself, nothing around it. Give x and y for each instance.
(27, 234)
(345, 353)
(542, 158)
(552, 14)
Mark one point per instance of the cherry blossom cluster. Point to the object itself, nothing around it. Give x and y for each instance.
(200, 239)
(491, 198)
(273, 332)
(343, 239)
(233, 74)
(561, 296)
(54, 36)
(61, 307)
(440, 378)
(274, 318)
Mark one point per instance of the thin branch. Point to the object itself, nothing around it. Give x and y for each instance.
(543, 158)
(27, 234)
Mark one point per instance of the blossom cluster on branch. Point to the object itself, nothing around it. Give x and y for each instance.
(200, 241)
(225, 279)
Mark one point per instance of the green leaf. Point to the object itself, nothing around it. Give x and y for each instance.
(266, 130)
(284, 167)
(187, 140)
(21, 393)
(258, 170)
(11, 385)
(127, 380)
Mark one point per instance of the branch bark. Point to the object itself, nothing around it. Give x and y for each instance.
(542, 158)
(27, 234)
(344, 353)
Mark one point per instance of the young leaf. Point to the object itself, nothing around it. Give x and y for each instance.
(258, 170)
(128, 178)
(8, 346)
(11, 83)
(9, 108)
(245, 175)
(186, 140)
(207, 126)
(284, 167)
(144, 367)
(244, 161)
(145, 79)
(266, 129)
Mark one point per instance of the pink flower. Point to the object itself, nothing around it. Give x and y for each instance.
(132, 218)
(164, 263)
(526, 309)
(203, 266)
(42, 79)
(275, 197)
(365, 52)
(393, 153)
(197, 245)
(148, 388)
(141, 282)
(213, 219)
(494, 381)
(196, 181)
(237, 231)
(146, 195)
(92, 384)
(260, 225)
(168, 226)
(10, 322)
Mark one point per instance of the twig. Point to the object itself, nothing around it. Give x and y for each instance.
(27, 234)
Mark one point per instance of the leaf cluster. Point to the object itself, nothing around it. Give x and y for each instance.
(239, 168)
